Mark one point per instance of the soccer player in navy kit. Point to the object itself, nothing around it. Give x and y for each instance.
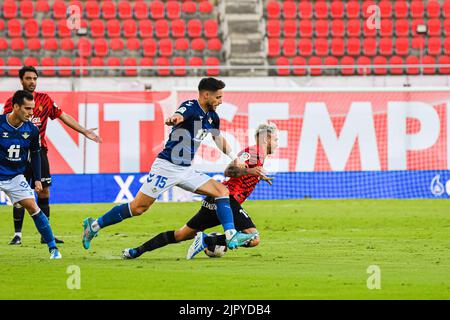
(192, 122)
(19, 138)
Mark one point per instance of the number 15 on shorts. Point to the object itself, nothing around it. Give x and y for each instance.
(160, 181)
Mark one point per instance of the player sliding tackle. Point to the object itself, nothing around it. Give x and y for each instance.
(241, 184)
(191, 123)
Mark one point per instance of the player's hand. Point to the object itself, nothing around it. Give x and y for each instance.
(90, 134)
(38, 186)
(173, 121)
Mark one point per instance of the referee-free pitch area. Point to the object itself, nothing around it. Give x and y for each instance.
(310, 249)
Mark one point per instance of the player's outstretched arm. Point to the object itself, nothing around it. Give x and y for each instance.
(223, 145)
(174, 120)
(72, 123)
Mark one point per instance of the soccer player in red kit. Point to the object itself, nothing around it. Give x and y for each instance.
(242, 182)
(44, 109)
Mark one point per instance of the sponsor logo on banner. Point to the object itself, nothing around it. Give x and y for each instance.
(436, 187)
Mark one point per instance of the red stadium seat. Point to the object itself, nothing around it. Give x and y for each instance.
(214, 45)
(429, 60)
(59, 9)
(211, 28)
(14, 62)
(97, 28)
(306, 28)
(189, 8)
(31, 61)
(273, 9)
(178, 28)
(370, 47)
(205, 8)
(444, 60)
(129, 28)
(337, 28)
(321, 47)
(418, 43)
(195, 62)
(9, 9)
(26, 9)
(369, 31)
(77, 3)
(34, 45)
(402, 46)
(194, 28)
(289, 10)
(280, 63)
(42, 6)
(274, 47)
(108, 9)
(385, 9)
(97, 62)
(133, 45)
(446, 9)
(3, 46)
(447, 46)
(2, 64)
(331, 61)
(162, 28)
(350, 62)
(321, 28)
(182, 46)
(17, 44)
(396, 60)
(353, 28)
(113, 28)
(290, 28)
(198, 45)
(434, 27)
(157, 10)
(273, 28)
(305, 10)
(100, 47)
(447, 27)
(433, 9)
(51, 45)
(386, 47)
(113, 62)
(92, 10)
(67, 45)
(84, 47)
(63, 30)
(353, 9)
(305, 47)
(180, 63)
(289, 47)
(337, 9)
(417, 9)
(145, 29)
(116, 45)
(353, 47)
(434, 46)
(386, 28)
(297, 63)
(165, 47)
(125, 10)
(379, 61)
(173, 10)
(163, 66)
(14, 28)
(337, 47)
(315, 61)
(146, 62)
(401, 9)
(140, 10)
(402, 28)
(131, 63)
(149, 47)
(321, 9)
(212, 63)
(2, 25)
(80, 65)
(31, 27)
(414, 24)
(48, 62)
(366, 5)
(364, 64)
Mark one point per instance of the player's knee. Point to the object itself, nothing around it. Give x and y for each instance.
(222, 191)
(137, 210)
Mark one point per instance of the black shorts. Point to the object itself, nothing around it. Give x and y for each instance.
(207, 218)
(46, 178)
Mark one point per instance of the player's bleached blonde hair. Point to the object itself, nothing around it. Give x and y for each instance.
(265, 129)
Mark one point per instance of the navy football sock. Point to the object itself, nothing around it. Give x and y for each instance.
(115, 215)
(43, 226)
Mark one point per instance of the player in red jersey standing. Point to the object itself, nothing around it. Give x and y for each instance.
(44, 109)
(241, 184)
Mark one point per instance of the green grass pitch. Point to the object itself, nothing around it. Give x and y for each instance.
(310, 249)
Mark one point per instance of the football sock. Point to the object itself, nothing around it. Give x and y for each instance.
(18, 214)
(215, 240)
(159, 241)
(43, 226)
(225, 216)
(43, 203)
(115, 215)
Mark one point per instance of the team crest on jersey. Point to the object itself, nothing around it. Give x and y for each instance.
(5, 135)
(36, 121)
(25, 135)
(245, 156)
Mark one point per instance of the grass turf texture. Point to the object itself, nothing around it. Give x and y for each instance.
(310, 249)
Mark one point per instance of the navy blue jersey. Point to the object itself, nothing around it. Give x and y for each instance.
(15, 145)
(186, 137)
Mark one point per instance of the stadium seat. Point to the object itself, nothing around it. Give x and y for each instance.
(163, 66)
(133, 45)
(337, 9)
(180, 63)
(386, 28)
(194, 27)
(108, 9)
(273, 28)
(315, 61)
(379, 61)
(146, 62)
(100, 47)
(212, 63)
(67, 45)
(417, 9)
(131, 63)
(165, 47)
(273, 9)
(396, 60)
(26, 9)
(289, 47)
(9, 9)
(434, 46)
(353, 47)
(331, 62)
(113, 28)
(195, 62)
(297, 63)
(386, 47)
(116, 45)
(125, 10)
(352, 10)
(446, 9)
(434, 27)
(418, 43)
(321, 28)
(401, 9)
(3, 46)
(59, 9)
(447, 46)
(145, 29)
(385, 9)
(97, 28)
(48, 62)
(447, 27)
(140, 10)
(369, 31)
(402, 46)
(321, 47)
(77, 3)
(14, 28)
(42, 6)
(188, 8)
(214, 45)
(34, 45)
(289, 28)
(14, 62)
(306, 28)
(353, 28)
(63, 30)
(92, 10)
(365, 12)
(31, 28)
(129, 28)
(205, 8)
(173, 10)
(337, 47)
(321, 9)
(280, 63)
(364, 64)
(162, 29)
(289, 10)
(156, 9)
(444, 60)
(274, 47)
(17, 45)
(51, 46)
(305, 47)
(305, 10)
(429, 60)
(80, 64)
(198, 45)
(2, 64)
(97, 62)
(337, 28)
(181, 46)
(31, 61)
(433, 9)
(178, 28)
(414, 24)
(113, 62)
(414, 62)
(402, 28)
(84, 48)
(350, 62)
(211, 28)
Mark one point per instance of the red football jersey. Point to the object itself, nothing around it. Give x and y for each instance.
(241, 188)
(44, 108)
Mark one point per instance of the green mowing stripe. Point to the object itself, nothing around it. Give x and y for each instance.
(310, 249)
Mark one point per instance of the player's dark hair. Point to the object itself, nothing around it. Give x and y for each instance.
(20, 96)
(27, 69)
(210, 84)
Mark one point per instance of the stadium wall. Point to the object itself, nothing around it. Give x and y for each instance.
(382, 142)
